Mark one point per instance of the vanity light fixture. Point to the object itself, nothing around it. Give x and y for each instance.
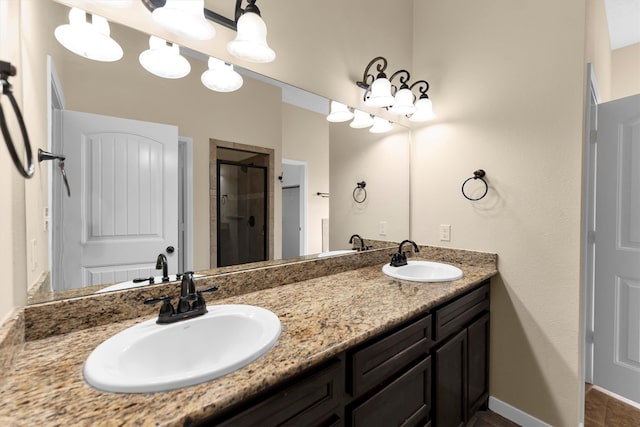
(88, 35)
(339, 113)
(164, 60)
(380, 125)
(361, 120)
(221, 77)
(381, 92)
(184, 17)
(250, 43)
(424, 106)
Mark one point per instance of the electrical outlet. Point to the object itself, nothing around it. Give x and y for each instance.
(445, 233)
(383, 228)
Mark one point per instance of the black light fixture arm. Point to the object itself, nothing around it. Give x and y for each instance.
(422, 89)
(232, 24)
(367, 78)
(404, 80)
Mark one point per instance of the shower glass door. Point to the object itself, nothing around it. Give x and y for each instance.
(242, 213)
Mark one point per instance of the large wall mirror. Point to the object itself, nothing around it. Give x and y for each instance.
(242, 172)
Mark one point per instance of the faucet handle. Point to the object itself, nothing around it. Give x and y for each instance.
(200, 303)
(166, 309)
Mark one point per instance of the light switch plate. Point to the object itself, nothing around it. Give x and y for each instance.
(445, 233)
(382, 228)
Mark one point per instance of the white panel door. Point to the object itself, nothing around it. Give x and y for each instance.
(617, 249)
(123, 209)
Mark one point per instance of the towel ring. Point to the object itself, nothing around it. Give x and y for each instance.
(7, 70)
(359, 193)
(479, 174)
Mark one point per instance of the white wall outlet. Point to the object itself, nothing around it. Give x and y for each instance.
(383, 228)
(445, 233)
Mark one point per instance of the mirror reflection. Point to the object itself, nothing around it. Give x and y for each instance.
(207, 179)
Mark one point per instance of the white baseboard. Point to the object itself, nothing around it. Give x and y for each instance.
(514, 414)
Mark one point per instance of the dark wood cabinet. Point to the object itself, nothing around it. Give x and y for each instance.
(431, 370)
(461, 361)
(450, 375)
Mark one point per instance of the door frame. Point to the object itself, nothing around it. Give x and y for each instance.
(592, 99)
(185, 195)
(304, 201)
(55, 104)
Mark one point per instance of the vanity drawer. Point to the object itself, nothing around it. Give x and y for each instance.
(381, 358)
(315, 400)
(454, 316)
(405, 402)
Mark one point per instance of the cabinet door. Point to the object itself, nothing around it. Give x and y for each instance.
(478, 354)
(405, 402)
(450, 376)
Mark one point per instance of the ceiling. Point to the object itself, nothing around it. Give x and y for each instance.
(623, 17)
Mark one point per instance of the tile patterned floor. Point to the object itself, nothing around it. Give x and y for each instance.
(602, 410)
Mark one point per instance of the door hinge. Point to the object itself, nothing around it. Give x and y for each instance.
(591, 236)
(589, 337)
(593, 136)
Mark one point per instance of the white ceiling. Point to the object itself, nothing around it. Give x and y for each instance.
(623, 17)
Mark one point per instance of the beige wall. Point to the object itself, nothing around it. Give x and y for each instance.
(598, 46)
(507, 83)
(625, 69)
(381, 161)
(12, 215)
(305, 137)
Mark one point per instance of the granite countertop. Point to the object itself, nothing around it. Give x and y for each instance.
(320, 318)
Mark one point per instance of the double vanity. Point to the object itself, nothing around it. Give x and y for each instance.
(356, 347)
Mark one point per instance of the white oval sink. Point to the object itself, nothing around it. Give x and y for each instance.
(336, 252)
(148, 357)
(157, 280)
(423, 271)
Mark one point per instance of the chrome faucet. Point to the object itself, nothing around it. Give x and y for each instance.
(190, 304)
(161, 263)
(399, 258)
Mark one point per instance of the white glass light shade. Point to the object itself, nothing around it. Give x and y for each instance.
(164, 60)
(251, 41)
(185, 17)
(404, 103)
(361, 120)
(221, 77)
(380, 93)
(91, 40)
(380, 125)
(424, 111)
(339, 113)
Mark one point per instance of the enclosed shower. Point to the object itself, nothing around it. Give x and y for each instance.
(242, 212)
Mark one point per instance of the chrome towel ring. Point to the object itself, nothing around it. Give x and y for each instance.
(7, 70)
(479, 174)
(359, 193)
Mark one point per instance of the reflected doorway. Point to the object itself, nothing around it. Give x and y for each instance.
(242, 206)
